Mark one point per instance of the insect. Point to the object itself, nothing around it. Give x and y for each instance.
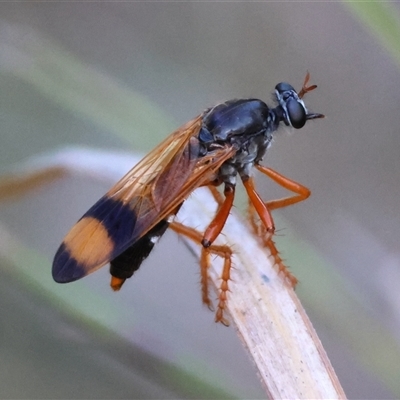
(225, 141)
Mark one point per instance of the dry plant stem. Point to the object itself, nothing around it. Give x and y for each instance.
(265, 310)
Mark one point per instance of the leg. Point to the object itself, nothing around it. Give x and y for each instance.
(302, 193)
(258, 229)
(282, 268)
(263, 209)
(266, 229)
(259, 206)
(217, 195)
(223, 251)
(267, 241)
(216, 225)
(214, 191)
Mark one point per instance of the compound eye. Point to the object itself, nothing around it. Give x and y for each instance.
(283, 87)
(296, 113)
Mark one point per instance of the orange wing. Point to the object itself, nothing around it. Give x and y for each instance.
(147, 194)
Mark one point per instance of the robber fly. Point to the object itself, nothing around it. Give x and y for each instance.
(211, 150)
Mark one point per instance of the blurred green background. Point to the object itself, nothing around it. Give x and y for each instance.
(123, 75)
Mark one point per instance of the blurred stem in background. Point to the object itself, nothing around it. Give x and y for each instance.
(382, 20)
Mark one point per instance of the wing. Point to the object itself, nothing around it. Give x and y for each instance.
(150, 192)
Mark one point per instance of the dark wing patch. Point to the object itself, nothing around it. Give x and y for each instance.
(71, 269)
(95, 237)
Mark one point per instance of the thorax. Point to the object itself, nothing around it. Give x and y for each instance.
(245, 124)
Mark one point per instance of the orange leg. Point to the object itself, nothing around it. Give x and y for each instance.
(258, 229)
(263, 210)
(216, 194)
(260, 207)
(216, 225)
(223, 251)
(302, 193)
(282, 268)
(267, 240)
(214, 191)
